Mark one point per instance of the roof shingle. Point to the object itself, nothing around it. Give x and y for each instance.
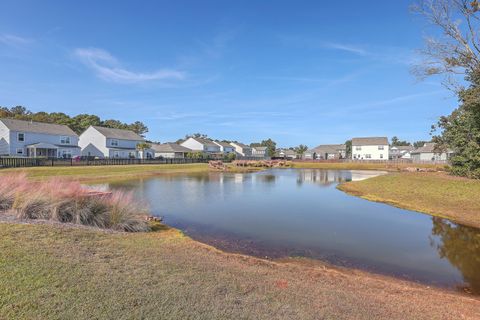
(37, 127)
(120, 134)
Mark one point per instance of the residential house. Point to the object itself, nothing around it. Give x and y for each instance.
(101, 142)
(260, 152)
(428, 153)
(370, 148)
(19, 138)
(170, 151)
(328, 152)
(287, 154)
(225, 147)
(201, 145)
(242, 149)
(400, 152)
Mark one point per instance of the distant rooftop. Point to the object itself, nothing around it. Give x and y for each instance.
(37, 127)
(370, 141)
(120, 134)
(169, 147)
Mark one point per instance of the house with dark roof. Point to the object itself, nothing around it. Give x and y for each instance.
(101, 142)
(370, 148)
(170, 150)
(201, 145)
(19, 138)
(429, 153)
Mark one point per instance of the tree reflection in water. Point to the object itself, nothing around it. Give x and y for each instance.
(461, 246)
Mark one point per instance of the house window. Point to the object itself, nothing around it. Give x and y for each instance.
(21, 137)
(381, 156)
(358, 148)
(114, 143)
(131, 155)
(66, 154)
(116, 154)
(368, 156)
(20, 151)
(64, 140)
(380, 147)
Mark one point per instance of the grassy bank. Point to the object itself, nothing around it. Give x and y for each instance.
(108, 173)
(54, 272)
(437, 194)
(363, 166)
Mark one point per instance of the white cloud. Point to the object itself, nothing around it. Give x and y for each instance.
(108, 68)
(345, 47)
(13, 40)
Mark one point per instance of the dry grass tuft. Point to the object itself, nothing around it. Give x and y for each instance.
(70, 202)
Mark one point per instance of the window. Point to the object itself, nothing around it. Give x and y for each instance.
(131, 155)
(114, 143)
(116, 154)
(66, 154)
(21, 137)
(368, 156)
(20, 151)
(381, 155)
(358, 148)
(380, 147)
(65, 140)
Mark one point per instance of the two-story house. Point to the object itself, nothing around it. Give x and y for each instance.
(225, 147)
(259, 151)
(201, 145)
(19, 138)
(370, 148)
(242, 149)
(101, 142)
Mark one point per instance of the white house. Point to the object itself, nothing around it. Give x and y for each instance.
(225, 147)
(287, 154)
(242, 149)
(37, 139)
(370, 148)
(201, 145)
(428, 153)
(260, 152)
(400, 152)
(104, 142)
(170, 150)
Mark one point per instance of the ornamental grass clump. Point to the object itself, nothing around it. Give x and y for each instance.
(70, 202)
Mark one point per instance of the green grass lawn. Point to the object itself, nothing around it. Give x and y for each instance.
(362, 165)
(434, 193)
(58, 272)
(104, 173)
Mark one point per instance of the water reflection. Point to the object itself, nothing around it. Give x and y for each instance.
(461, 246)
(283, 212)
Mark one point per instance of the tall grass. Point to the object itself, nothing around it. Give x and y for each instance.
(70, 202)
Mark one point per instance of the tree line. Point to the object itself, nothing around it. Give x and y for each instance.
(78, 123)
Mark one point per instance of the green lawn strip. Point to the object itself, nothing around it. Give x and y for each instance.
(436, 194)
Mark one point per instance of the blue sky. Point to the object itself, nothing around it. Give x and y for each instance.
(308, 72)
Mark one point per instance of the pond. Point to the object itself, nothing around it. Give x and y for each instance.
(299, 212)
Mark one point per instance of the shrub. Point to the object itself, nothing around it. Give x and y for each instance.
(70, 202)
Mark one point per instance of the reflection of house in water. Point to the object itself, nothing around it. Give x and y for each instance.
(323, 177)
(265, 178)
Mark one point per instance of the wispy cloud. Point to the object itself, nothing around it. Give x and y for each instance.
(108, 68)
(13, 40)
(345, 47)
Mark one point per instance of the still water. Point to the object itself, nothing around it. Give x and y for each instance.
(288, 212)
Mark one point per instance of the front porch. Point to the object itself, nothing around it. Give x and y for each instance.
(42, 150)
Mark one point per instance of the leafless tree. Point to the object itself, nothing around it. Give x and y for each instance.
(457, 50)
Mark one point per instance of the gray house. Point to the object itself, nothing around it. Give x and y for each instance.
(101, 142)
(327, 152)
(21, 138)
(429, 153)
(170, 150)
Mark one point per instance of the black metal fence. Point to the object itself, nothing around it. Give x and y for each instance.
(43, 162)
